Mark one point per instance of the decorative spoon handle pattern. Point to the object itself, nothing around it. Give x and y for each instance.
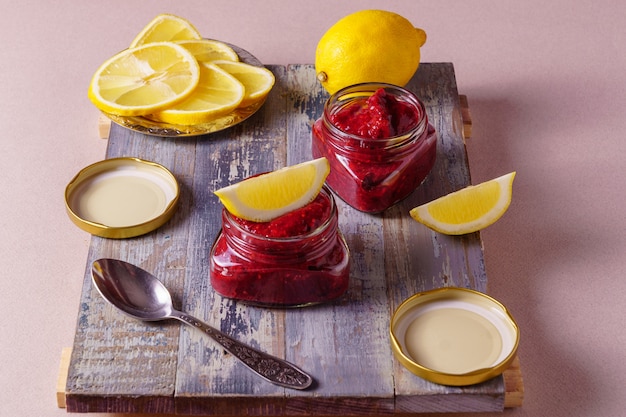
(273, 369)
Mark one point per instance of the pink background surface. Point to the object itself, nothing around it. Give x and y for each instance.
(546, 82)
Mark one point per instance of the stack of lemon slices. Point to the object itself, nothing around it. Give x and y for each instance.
(171, 74)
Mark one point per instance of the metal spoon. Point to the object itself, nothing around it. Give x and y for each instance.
(142, 296)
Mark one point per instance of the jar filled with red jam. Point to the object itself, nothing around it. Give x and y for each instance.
(379, 144)
(297, 259)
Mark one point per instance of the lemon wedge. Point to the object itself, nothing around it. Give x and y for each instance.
(216, 94)
(207, 50)
(268, 196)
(144, 80)
(258, 81)
(468, 210)
(166, 27)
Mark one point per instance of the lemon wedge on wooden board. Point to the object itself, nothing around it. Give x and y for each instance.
(467, 210)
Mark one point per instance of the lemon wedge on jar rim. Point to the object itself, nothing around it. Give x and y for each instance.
(267, 196)
(467, 210)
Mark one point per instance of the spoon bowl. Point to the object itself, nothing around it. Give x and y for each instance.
(132, 290)
(142, 296)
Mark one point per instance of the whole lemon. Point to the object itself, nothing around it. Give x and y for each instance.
(368, 46)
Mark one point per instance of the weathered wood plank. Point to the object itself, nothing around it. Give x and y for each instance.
(466, 116)
(122, 365)
(144, 355)
(204, 369)
(354, 363)
(419, 259)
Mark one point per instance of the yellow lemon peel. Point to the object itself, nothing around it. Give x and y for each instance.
(268, 196)
(467, 210)
(144, 80)
(368, 46)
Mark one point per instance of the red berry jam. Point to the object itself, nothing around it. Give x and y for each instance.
(297, 259)
(296, 223)
(380, 116)
(379, 144)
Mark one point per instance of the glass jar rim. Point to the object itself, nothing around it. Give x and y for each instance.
(367, 89)
(317, 231)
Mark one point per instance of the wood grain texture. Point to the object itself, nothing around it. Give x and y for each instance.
(122, 365)
(466, 116)
(514, 385)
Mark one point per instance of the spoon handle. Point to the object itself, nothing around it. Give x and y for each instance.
(273, 369)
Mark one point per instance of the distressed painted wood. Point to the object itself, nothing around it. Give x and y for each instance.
(122, 365)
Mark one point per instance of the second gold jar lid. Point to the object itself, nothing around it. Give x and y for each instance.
(121, 197)
(454, 336)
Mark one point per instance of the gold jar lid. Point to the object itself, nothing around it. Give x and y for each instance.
(454, 336)
(121, 197)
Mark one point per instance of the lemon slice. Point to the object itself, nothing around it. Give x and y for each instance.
(217, 93)
(267, 196)
(469, 209)
(207, 50)
(144, 80)
(166, 27)
(257, 80)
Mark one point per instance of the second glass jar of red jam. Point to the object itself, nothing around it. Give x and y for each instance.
(297, 259)
(379, 144)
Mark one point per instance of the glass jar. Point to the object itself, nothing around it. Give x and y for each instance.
(371, 173)
(308, 267)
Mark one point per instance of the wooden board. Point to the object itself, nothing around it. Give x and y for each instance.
(122, 365)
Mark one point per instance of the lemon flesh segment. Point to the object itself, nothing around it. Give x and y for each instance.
(217, 93)
(268, 196)
(468, 210)
(258, 81)
(208, 50)
(144, 80)
(368, 46)
(166, 27)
